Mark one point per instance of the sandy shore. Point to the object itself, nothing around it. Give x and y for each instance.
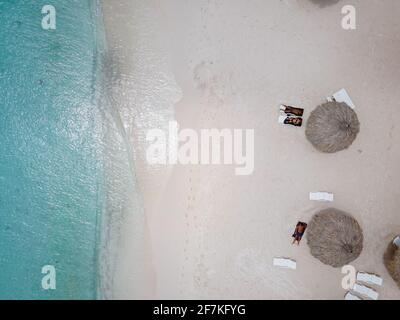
(217, 64)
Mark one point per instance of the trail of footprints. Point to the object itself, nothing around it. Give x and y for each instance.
(190, 218)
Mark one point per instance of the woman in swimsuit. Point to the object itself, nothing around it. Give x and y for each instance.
(295, 121)
(299, 232)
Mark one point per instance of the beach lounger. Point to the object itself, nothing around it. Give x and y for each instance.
(342, 96)
(369, 278)
(285, 263)
(321, 196)
(365, 291)
(396, 241)
(350, 296)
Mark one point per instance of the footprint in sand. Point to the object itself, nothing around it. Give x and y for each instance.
(203, 76)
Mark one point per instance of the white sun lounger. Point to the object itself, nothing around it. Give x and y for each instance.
(321, 196)
(366, 291)
(285, 263)
(396, 241)
(342, 96)
(350, 296)
(369, 278)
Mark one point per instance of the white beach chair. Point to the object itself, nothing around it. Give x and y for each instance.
(285, 263)
(282, 118)
(321, 196)
(365, 291)
(369, 278)
(350, 296)
(396, 241)
(342, 96)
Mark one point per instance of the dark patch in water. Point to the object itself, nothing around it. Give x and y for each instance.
(55, 46)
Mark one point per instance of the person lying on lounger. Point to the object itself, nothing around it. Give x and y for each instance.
(294, 121)
(291, 111)
(299, 232)
(290, 115)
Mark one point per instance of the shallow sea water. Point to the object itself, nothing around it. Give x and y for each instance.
(51, 149)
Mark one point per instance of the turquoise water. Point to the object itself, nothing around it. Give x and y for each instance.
(51, 171)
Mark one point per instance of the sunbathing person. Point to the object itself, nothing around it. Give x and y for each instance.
(292, 110)
(294, 121)
(299, 232)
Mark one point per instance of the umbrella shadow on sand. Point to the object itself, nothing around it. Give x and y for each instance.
(325, 3)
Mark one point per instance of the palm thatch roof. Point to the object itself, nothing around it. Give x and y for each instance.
(332, 127)
(334, 237)
(391, 260)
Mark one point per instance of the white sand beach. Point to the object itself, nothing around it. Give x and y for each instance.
(210, 234)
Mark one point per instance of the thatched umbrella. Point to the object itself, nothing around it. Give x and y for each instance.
(391, 259)
(334, 237)
(332, 127)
